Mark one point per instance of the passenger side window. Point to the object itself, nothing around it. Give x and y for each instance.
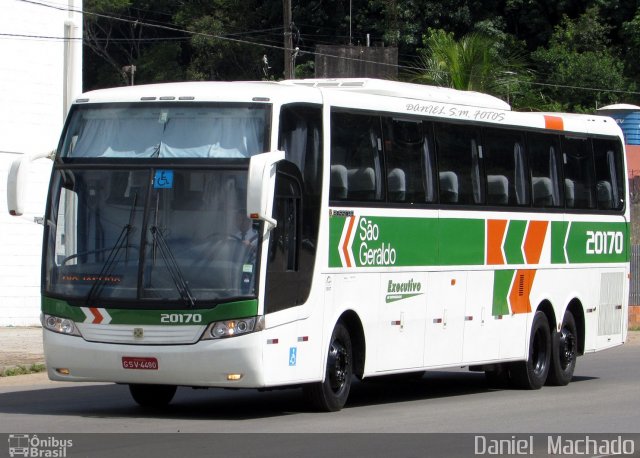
(356, 146)
(505, 167)
(544, 161)
(609, 174)
(578, 173)
(408, 162)
(460, 180)
(301, 140)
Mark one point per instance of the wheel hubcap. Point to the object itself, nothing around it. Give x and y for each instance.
(567, 348)
(338, 366)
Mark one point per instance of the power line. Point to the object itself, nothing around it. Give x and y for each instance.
(280, 47)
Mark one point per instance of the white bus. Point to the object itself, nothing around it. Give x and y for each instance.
(258, 235)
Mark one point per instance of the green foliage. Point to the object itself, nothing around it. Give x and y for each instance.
(23, 370)
(216, 51)
(538, 54)
(579, 69)
(105, 6)
(160, 63)
(475, 62)
(631, 44)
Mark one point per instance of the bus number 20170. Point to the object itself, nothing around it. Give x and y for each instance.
(601, 242)
(183, 318)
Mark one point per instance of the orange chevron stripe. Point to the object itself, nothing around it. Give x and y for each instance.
(520, 291)
(345, 246)
(97, 315)
(534, 240)
(495, 235)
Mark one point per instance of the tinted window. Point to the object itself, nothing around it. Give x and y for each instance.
(544, 161)
(505, 167)
(609, 174)
(292, 258)
(408, 162)
(356, 146)
(460, 177)
(579, 185)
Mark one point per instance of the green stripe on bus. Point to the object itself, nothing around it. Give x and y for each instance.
(412, 242)
(558, 235)
(461, 241)
(596, 242)
(336, 224)
(501, 283)
(61, 309)
(513, 242)
(226, 311)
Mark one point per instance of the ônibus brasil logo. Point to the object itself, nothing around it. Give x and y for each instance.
(32, 446)
(371, 249)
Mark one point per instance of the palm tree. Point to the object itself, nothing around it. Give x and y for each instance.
(473, 63)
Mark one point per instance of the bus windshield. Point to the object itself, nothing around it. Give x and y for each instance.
(179, 236)
(166, 131)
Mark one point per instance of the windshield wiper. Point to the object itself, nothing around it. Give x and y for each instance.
(172, 266)
(107, 267)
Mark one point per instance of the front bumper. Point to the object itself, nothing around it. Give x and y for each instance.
(204, 363)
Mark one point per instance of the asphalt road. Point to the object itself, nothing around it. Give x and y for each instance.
(604, 397)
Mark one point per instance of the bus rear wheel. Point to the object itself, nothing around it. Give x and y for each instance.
(532, 373)
(564, 352)
(331, 394)
(152, 396)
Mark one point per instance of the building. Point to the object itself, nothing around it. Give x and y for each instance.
(40, 71)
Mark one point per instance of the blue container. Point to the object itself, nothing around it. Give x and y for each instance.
(628, 118)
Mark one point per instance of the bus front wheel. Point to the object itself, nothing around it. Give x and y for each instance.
(331, 394)
(532, 373)
(564, 352)
(152, 396)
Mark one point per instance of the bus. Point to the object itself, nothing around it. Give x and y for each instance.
(302, 233)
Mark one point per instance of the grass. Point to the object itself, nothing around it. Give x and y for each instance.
(23, 370)
(634, 327)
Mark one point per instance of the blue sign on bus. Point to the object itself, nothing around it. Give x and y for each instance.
(163, 179)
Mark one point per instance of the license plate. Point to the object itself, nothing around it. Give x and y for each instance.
(135, 362)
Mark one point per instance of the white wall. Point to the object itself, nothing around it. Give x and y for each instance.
(31, 118)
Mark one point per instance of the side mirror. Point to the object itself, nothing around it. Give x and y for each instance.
(17, 181)
(261, 184)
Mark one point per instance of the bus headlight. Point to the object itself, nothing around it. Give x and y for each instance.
(231, 328)
(60, 325)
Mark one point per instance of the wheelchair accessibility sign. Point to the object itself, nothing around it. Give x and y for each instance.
(163, 179)
(293, 356)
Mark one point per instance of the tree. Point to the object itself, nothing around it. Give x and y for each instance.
(631, 45)
(579, 69)
(472, 63)
(220, 48)
(121, 33)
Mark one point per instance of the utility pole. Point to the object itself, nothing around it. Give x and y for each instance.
(288, 42)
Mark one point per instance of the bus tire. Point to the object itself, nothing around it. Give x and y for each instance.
(532, 373)
(152, 396)
(564, 352)
(331, 394)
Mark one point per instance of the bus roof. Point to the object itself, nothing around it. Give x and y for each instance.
(201, 91)
(366, 93)
(249, 90)
(420, 92)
